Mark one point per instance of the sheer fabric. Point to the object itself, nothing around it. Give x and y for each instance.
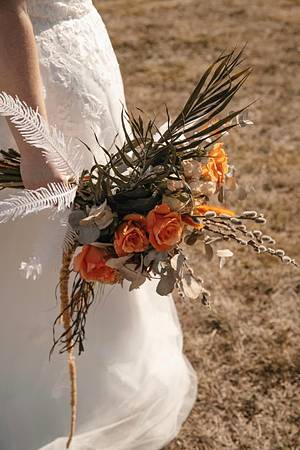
(135, 385)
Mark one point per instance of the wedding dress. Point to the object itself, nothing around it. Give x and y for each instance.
(135, 386)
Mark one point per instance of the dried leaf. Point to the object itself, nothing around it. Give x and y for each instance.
(191, 239)
(137, 282)
(87, 235)
(225, 253)
(191, 287)
(209, 252)
(117, 263)
(166, 283)
(177, 262)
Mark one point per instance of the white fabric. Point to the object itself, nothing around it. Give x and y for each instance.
(135, 386)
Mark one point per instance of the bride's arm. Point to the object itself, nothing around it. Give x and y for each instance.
(20, 75)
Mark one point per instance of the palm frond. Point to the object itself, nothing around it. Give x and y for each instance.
(57, 195)
(38, 133)
(214, 91)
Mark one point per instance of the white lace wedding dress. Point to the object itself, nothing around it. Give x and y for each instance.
(135, 386)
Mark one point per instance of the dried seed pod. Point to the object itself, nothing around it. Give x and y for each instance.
(242, 228)
(235, 221)
(257, 233)
(280, 252)
(249, 214)
(225, 216)
(261, 220)
(250, 234)
(262, 249)
(286, 260)
(242, 241)
(266, 238)
(271, 251)
(210, 214)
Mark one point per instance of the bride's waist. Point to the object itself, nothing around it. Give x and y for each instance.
(44, 16)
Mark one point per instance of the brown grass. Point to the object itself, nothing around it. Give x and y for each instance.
(246, 350)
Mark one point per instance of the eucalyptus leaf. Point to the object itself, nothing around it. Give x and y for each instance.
(191, 239)
(177, 262)
(209, 252)
(75, 217)
(137, 282)
(166, 283)
(191, 286)
(117, 263)
(87, 235)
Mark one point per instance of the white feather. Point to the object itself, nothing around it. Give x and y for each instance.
(57, 195)
(38, 133)
(70, 239)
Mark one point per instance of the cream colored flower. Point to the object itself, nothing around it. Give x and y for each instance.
(101, 216)
(173, 202)
(207, 188)
(191, 168)
(175, 185)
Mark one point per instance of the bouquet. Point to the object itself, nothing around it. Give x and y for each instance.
(131, 218)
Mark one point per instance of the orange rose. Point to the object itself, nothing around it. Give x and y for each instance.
(91, 264)
(130, 236)
(217, 167)
(164, 227)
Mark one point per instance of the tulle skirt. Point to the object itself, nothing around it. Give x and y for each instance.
(135, 386)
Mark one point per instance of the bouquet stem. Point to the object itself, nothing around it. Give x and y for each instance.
(66, 318)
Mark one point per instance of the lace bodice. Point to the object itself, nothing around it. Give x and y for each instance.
(55, 11)
(79, 69)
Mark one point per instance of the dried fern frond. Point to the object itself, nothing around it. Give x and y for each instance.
(56, 195)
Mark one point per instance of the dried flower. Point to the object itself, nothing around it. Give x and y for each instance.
(207, 188)
(217, 167)
(223, 254)
(191, 168)
(102, 216)
(174, 202)
(175, 185)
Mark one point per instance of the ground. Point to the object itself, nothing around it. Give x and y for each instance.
(246, 349)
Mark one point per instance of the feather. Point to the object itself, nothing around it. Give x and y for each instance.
(70, 239)
(38, 133)
(56, 195)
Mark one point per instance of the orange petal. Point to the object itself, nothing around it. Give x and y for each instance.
(202, 209)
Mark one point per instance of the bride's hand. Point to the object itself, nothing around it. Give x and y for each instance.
(36, 172)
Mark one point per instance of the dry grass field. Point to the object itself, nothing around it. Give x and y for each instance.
(246, 349)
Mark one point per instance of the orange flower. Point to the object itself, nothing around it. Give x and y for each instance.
(91, 264)
(130, 236)
(189, 221)
(217, 167)
(164, 227)
(202, 209)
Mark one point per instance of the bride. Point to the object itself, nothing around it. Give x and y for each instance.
(135, 387)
